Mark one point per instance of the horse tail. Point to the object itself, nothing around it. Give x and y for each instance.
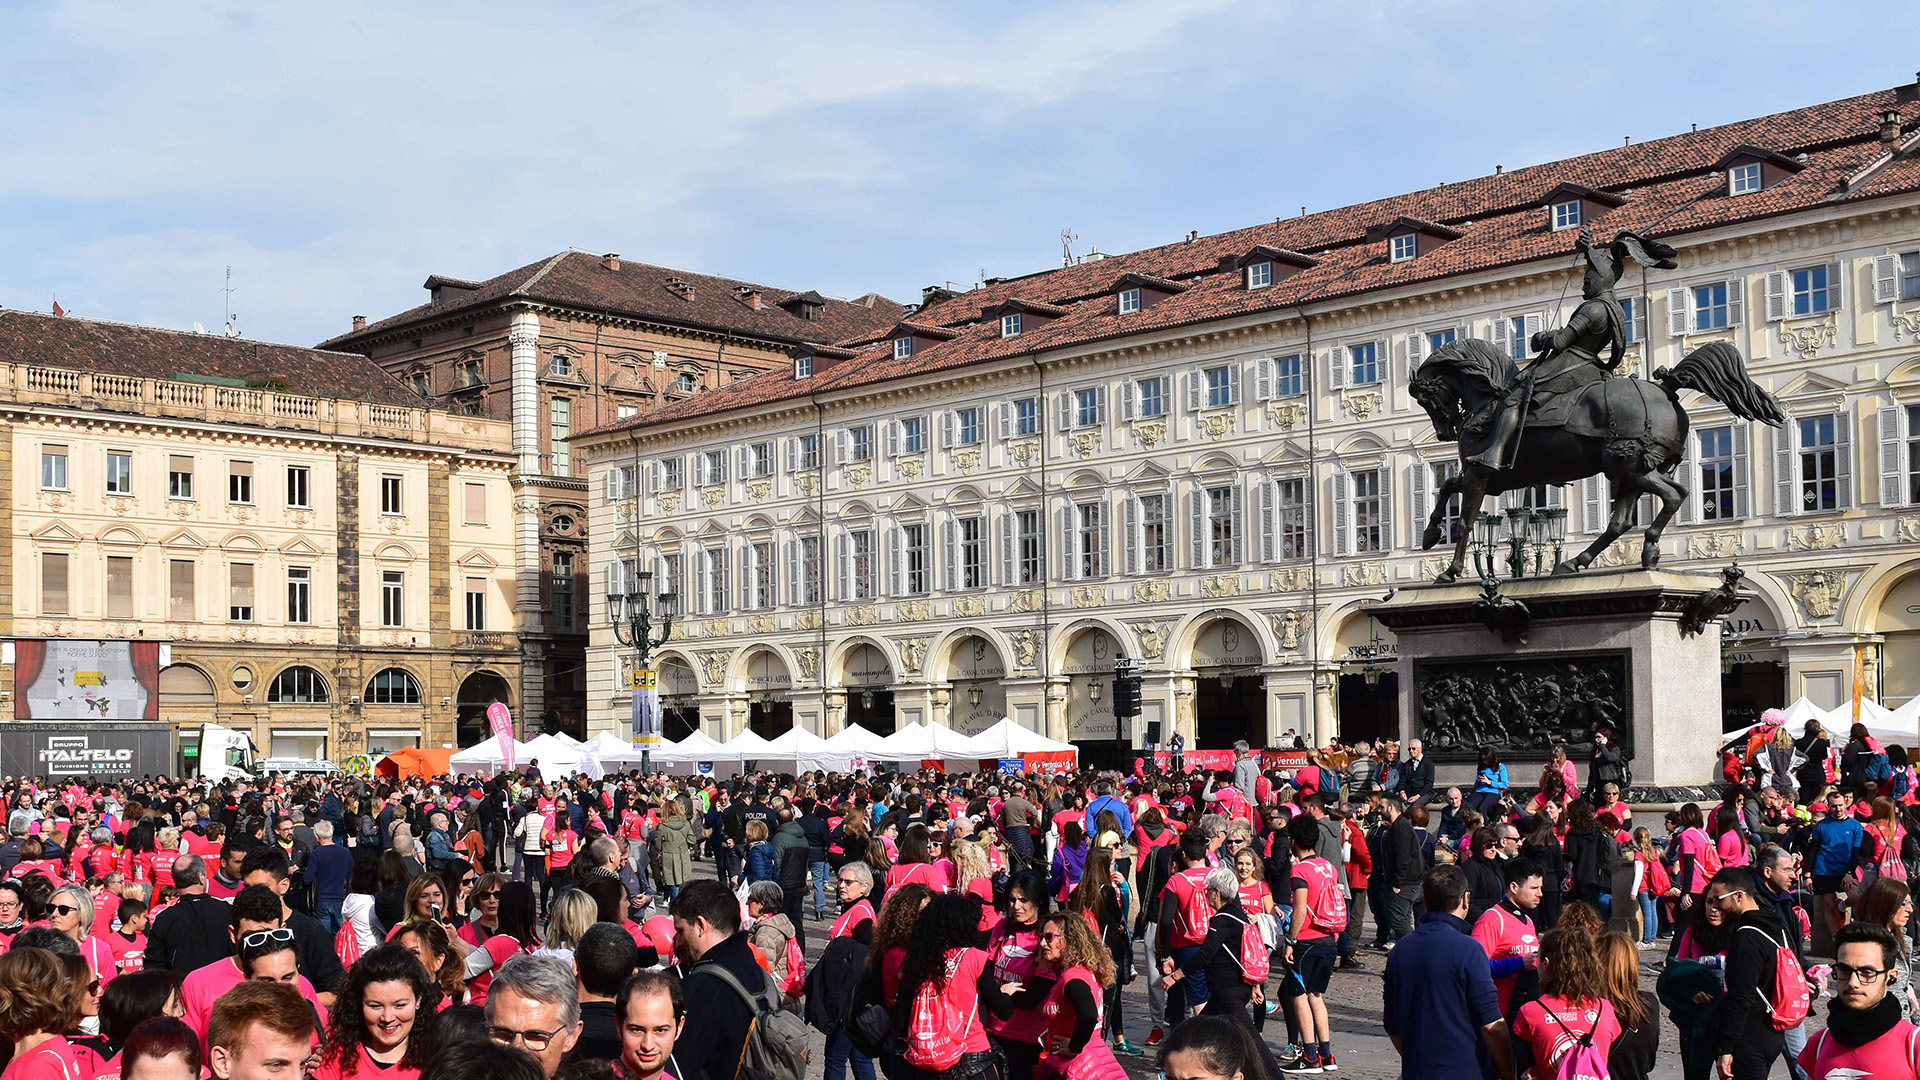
(1716, 370)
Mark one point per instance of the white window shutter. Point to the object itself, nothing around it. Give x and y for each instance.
(790, 452)
(720, 577)
(950, 545)
(1342, 515)
(1068, 564)
(747, 564)
(1886, 279)
(1783, 471)
(1416, 350)
(1742, 470)
(1534, 324)
(1003, 419)
(793, 573)
(1843, 457)
(1639, 320)
(700, 469)
(1105, 539)
(746, 462)
(1418, 478)
(613, 484)
(1683, 470)
(1007, 550)
(1336, 367)
(1197, 528)
(1263, 378)
(1386, 507)
(893, 438)
(1129, 533)
(1737, 301)
(1679, 312)
(843, 566)
(1499, 335)
(1233, 384)
(896, 561)
(1100, 404)
(947, 424)
(1237, 522)
(1776, 295)
(1195, 386)
(1593, 509)
(721, 464)
(1383, 360)
(1064, 409)
(1835, 294)
(1264, 511)
(1129, 399)
(1892, 470)
(1310, 514)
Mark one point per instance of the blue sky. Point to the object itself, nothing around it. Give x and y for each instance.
(336, 154)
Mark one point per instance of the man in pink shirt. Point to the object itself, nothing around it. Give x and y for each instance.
(1506, 929)
(256, 909)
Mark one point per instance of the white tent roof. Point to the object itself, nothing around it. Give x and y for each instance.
(918, 742)
(697, 746)
(611, 749)
(557, 756)
(1009, 738)
(808, 751)
(1887, 726)
(1907, 716)
(855, 740)
(485, 754)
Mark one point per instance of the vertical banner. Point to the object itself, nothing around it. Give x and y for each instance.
(1859, 678)
(646, 707)
(502, 720)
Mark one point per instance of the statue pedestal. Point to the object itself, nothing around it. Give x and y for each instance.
(1601, 649)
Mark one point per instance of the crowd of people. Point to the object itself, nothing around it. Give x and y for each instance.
(961, 926)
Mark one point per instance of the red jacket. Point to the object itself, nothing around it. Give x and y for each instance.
(1359, 860)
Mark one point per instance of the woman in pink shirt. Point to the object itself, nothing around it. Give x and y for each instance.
(1573, 1005)
(1727, 839)
(383, 1019)
(38, 1001)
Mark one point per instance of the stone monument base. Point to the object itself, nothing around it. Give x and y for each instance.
(1596, 649)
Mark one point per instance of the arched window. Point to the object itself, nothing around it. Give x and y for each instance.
(298, 685)
(393, 687)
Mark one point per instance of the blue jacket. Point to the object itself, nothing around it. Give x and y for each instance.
(1113, 803)
(1494, 780)
(1439, 994)
(760, 864)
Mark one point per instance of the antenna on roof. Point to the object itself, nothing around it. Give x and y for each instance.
(233, 317)
(1067, 237)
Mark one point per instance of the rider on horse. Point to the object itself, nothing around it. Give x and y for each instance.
(1546, 391)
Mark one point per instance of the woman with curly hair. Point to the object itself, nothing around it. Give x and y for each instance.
(972, 878)
(383, 1019)
(941, 957)
(891, 931)
(1573, 1002)
(1078, 969)
(37, 1006)
(430, 944)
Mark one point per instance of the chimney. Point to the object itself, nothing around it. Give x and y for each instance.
(752, 300)
(1889, 128)
(611, 261)
(359, 323)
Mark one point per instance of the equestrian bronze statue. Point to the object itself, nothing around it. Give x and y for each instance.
(1566, 415)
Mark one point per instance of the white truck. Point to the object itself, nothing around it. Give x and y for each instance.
(226, 754)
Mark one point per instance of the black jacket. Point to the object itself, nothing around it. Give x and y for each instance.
(1608, 766)
(313, 947)
(710, 1048)
(191, 934)
(1401, 858)
(831, 982)
(814, 825)
(599, 1033)
(1751, 952)
(1485, 885)
(1416, 779)
(1593, 857)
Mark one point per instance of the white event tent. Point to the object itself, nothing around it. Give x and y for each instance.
(1891, 727)
(923, 741)
(612, 752)
(1009, 739)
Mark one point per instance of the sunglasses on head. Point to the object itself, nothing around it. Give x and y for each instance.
(255, 939)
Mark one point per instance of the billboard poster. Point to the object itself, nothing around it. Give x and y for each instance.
(101, 750)
(646, 708)
(65, 679)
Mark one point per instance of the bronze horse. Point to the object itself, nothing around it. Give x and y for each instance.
(1632, 430)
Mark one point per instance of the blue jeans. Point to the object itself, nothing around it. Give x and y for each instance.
(1650, 917)
(1190, 990)
(328, 912)
(819, 870)
(840, 1051)
(1796, 1042)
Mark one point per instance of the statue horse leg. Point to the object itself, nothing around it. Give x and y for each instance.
(1624, 492)
(1437, 515)
(1671, 494)
(1473, 492)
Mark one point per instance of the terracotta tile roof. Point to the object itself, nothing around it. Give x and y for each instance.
(1666, 187)
(152, 353)
(577, 279)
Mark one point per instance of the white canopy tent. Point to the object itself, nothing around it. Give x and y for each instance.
(1010, 739)
(1907, 716)
(856, 742)
(557, 757)
(613, 752)
(1890, 727)
(923, 741)
(747, 746)
(807, 751)
(484, 757)
(697, 746)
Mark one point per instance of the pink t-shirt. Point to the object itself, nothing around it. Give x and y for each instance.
(1503, 934)
(1550, 1039)
(55, 1059)
(99, 955)
(1694, 842)
(362, 1064)
(203, 986)
(928, 874)
(1732, 848)
(129, 954)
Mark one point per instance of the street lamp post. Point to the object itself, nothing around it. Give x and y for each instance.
(633, 627)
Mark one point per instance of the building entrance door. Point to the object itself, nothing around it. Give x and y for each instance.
(770, 719)
(1369, 711)
(1227, 707)
(871, 709)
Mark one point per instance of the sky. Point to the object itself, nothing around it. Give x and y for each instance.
(334, 155)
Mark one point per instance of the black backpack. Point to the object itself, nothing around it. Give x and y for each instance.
(831, 983)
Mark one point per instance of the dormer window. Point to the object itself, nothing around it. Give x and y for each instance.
(903, 347)
(688, 382)
(803, 367)
(1010, 324)
(1259, 275)
(1403, 247)
(1566, 215)
(1129, 301)
(562, 364)
(1742, 179)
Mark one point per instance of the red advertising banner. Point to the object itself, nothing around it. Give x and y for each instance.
(1213, 760)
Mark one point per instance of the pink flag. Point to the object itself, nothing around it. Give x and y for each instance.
(502, 720)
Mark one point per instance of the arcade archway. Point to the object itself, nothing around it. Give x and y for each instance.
(866, 674)
(1753, 666)
(769, 688)
(1102, 737)
(477, 691)
(975, 669)
(1369, 701)
(1229, 703)
(1899, 623)
(679, 698)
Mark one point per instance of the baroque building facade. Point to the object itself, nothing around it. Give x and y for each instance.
(573, 342)
(328, 563)
(1204, 457)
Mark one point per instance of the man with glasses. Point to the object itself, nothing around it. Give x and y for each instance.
(255, 923)
(1779, 873)
(1865, 1034)
(1745, 1041)
(534, 1004)
(706, 934)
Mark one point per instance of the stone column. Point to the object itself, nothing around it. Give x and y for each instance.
(736, 715)
(528, 613)
(1057, 690)
(523, 335)
(1326, 683)
(941, 712)
(836, 712)
(1185, 690)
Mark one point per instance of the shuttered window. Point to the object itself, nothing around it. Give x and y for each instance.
(180, 582)
(119, 587)
(476, 504)
(240, 592)
(53, 584)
